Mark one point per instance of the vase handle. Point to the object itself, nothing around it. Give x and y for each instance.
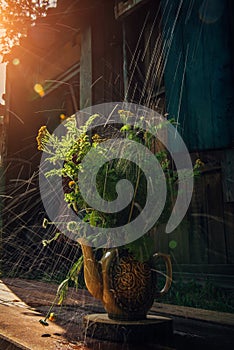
(167, 260)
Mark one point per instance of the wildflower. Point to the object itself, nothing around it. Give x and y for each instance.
(45, 242)
(42, 137)
(52, 317)
(97, 138)
(62, 116)
(72, 226)
(45, 223)
(71, 184)
(125, 113)
(199, 163)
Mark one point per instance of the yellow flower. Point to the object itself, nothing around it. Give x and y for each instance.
(71, 183)
(125, 113)
(199, 163)
(42, 135)
(98, 139)
(52, 317)
(62, 116)
(45, 223)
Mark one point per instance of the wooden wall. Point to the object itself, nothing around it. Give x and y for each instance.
(199, 81)
(205, 238)
(101, 56)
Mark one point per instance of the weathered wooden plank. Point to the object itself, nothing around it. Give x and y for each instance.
(107, 56)
(215, 219)
(225, 282)
(178, 242)
(195, 314)
(198, 224)
(229, 228)
(228, 175)
(211, 269)
(161, 239)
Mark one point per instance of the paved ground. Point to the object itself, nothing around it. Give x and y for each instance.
(23, 303)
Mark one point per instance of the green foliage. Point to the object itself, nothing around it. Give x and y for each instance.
(73, 275)
(142, 248)
(203, 295)
(16, 16)
(68, 152)
(45, 242)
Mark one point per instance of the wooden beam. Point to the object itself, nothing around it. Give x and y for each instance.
(123, 8)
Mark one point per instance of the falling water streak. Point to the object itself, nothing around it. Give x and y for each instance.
(135, 61)
(176, 18)
(19, 174)
(157, 66)
(150, 34)
(138, 41)
(96, 81)
(149, 71)
(182, 88)
(161, 69)
(71, 88)
(134, 90)
(154, 69)
(116, 89)
(177, 67)
(159, 60)
(166, 46)
(74, 29)
(170, 34)
(132, 75)
(30, 181)
(19, 217)
(17, 226)
(17, 182)
(49, 110)
(157, 75)
(190, 8)
(197, 41)
(15, 115)
(162, 274)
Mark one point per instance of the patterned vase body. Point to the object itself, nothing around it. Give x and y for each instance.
(130, 286)
(126, 286)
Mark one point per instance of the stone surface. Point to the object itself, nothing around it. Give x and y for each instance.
(24, 302)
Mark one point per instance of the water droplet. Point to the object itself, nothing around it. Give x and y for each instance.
(16, 61)
(39, 89)
(211, 10)
(172, 244)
